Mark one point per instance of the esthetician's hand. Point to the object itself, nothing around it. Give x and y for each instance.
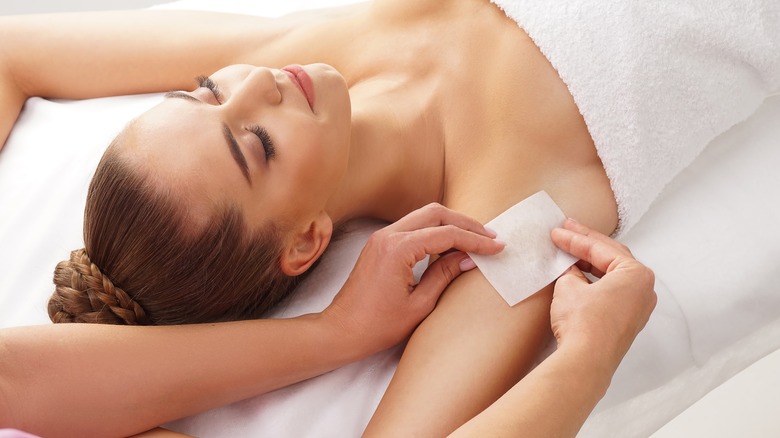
(603, 317)
(380, 304)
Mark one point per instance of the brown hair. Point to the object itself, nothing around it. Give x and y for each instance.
(145, 262)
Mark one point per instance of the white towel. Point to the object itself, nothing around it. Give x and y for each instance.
(657, 80)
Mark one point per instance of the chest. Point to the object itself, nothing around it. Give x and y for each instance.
(508, 126)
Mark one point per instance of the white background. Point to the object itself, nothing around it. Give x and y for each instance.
(742, 407)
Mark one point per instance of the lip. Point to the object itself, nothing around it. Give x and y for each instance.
(303, 81)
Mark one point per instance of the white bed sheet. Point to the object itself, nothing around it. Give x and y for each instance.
(711, 238)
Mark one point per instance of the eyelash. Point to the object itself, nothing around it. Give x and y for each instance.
(259, 131)
(206, 82)
(265, 140)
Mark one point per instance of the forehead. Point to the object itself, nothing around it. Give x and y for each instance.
(182, 149)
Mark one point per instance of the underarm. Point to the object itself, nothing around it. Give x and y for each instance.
(465, 355)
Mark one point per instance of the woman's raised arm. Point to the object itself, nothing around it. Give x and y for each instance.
(84, 55)
(102, 380)
(594, 325)
(94, 54)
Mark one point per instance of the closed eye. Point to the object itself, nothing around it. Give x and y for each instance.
(206, 82)
(265, 140)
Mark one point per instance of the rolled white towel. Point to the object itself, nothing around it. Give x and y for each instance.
(656, 81)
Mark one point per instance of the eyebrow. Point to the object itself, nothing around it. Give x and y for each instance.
(235, 150)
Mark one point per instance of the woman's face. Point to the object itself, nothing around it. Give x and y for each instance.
(273, 142)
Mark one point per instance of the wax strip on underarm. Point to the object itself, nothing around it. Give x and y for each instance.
(530, 260)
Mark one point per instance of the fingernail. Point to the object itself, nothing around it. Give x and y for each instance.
(467, 264)
(500, 242)
(491, 232)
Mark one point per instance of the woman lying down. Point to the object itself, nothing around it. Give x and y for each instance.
(209, 207)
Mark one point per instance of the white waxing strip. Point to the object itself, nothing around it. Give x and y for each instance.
(530, 260)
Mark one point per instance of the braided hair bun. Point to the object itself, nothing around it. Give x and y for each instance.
(83, 294)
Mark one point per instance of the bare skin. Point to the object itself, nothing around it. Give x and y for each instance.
(435, 118)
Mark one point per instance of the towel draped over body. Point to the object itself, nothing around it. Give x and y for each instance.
(656, 81)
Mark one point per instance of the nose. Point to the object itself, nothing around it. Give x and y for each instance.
(258, 86)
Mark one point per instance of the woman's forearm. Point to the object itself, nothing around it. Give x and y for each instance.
(94, 54)
(103, 380)
(553, 400)
(84, 55)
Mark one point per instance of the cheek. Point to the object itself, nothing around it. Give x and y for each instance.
(319, 150)
(317, 173)
(302, 166)
(313, 155)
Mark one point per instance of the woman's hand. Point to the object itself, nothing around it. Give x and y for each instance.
(380, 303)
(604, 317)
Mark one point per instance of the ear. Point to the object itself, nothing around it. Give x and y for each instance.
(307, 245)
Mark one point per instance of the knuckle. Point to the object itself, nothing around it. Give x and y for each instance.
(448, 271)
(450, 229)
(435, 208)
(391, 243)
(375, 238)
(450, 235)
(383, 243)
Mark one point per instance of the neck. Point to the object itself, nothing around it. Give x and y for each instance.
(396, 154)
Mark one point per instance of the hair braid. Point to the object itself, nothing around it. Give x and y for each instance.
(84, 294)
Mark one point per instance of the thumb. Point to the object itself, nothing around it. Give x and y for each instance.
(574, 276)
(439, 275)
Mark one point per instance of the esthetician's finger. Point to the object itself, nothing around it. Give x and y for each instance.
(601, 256)
(436, 240)
(574, 275)
(587, 267)
(571, 224)
(438, 276)
(433, 215)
